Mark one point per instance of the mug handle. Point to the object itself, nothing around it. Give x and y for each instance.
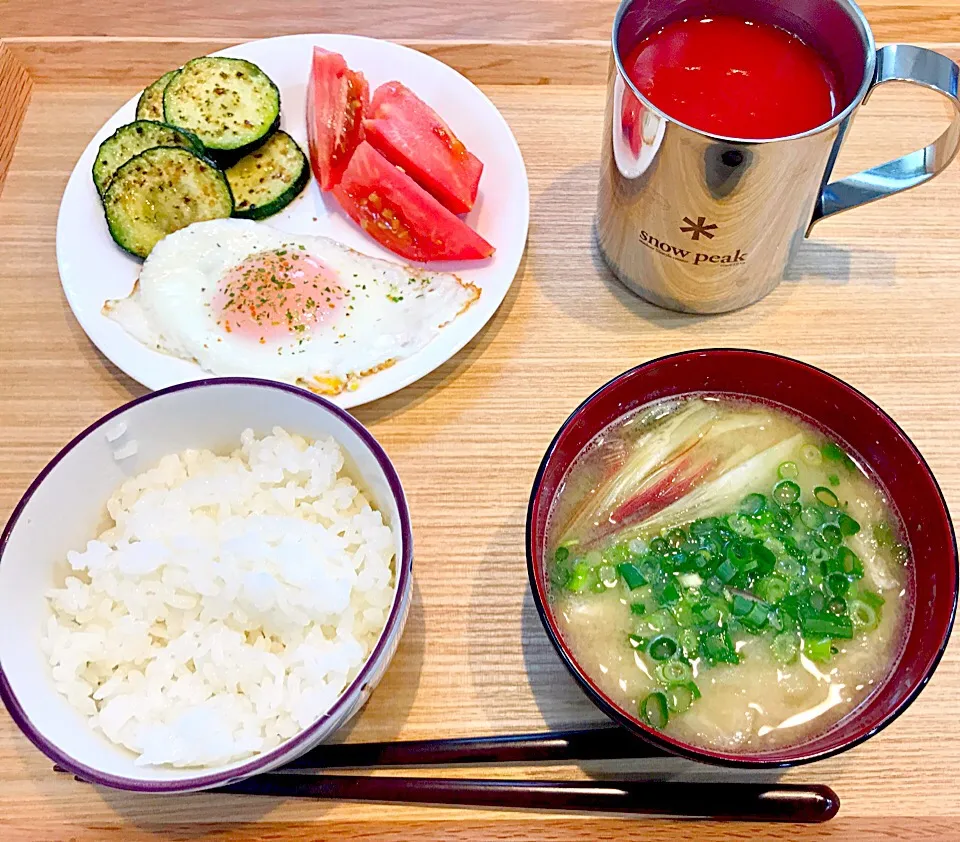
(899, 63)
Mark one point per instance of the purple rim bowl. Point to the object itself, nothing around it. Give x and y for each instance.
(854, 420)
(242, 402)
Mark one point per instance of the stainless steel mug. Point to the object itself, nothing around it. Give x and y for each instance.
(706, 224)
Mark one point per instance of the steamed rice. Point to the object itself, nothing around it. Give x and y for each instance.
(229, 604)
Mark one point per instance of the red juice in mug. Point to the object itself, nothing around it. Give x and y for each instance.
(725, 75)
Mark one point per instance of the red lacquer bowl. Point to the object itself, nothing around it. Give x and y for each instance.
(849, 417)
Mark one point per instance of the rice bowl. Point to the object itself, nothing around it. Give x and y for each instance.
(332, 618)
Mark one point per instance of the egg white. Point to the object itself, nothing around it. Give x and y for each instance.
(390, 311)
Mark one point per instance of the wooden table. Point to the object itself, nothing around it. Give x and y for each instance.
(874, 299)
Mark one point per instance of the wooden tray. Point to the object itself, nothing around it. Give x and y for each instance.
(874, 299)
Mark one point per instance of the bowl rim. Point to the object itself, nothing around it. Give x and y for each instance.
(258, 762)
(635, 726)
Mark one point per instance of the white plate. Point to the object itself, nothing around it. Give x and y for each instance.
(93, 269)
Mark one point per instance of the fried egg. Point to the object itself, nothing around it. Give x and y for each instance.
(241, 298)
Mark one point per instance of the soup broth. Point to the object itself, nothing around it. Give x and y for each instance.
(728, 574)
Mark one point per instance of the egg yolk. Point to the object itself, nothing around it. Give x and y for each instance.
(278, 294)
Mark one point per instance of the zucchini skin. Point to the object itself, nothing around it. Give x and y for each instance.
(158, 180)
(226, 158)
(242, 187)
(150, 104)
(205, 95)
(102, 175)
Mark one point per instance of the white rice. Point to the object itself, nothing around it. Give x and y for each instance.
(229, 605)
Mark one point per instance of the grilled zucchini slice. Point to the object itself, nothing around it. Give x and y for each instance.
(229, 103)
(150, 104)
(160, 191)
(269, 178)
(132, 139)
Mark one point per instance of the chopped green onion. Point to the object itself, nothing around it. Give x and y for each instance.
(689, 640)
(786, 492)
(829, 536)
(873, 599)
(631, 575)
(702, 559)
(811, 517)
(753, 504)
(658, 546)
(789, 567)
(674, 672)
(662, 648)
(848, 526)
(811, 454)
(667, 594)
(820, 623)
(776, 546)
(741, 605)
(637, 642)
(757, 616)
(786, 647)
(654, 711)
(834, 453)
(818, 648)
(638, 608)
(883, 534)
(849, 562)
(838, 584)
(820, 555)
(675, 538)
(608, 575)
(863, 616)
(561, 555)
(739, 553)
(681, 696)
(726, 571)
(826, 496)
(765, 557)
(837, 605)
(578, 576)
(739, 524)
(788, 470)
(707, 526)
(772, 588)
(718, 648)
(834, 480)
(661, 620)
(706, 613)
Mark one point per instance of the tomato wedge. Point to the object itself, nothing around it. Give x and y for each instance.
(337, 99)
(400, 215)
(410, 134)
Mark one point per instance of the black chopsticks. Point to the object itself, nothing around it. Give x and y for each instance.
(727, 801)
(608, 743)
(306, 777)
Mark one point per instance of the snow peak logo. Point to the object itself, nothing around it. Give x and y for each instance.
(695, 229)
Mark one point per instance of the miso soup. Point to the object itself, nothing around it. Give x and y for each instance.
(728, 574)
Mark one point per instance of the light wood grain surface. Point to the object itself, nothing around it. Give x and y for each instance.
(873, 299)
